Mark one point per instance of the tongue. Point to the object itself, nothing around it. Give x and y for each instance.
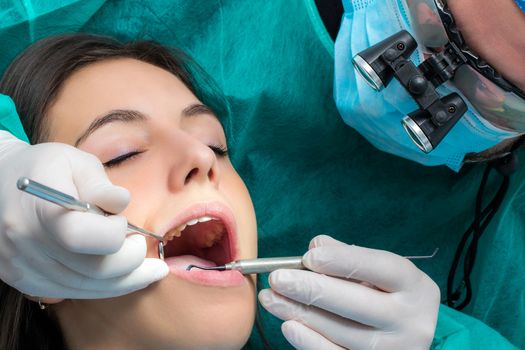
(181, 262)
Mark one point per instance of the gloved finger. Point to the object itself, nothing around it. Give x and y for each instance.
(304, 338)
(127, 259)
(149, 271)
(8, 139)
(324, 240)
(385, 270)
(8, 272)
(75, 286)
(88, 233)
(338, 330)
(93, 185)
(8, 252)
(344, 298)
(45, 263)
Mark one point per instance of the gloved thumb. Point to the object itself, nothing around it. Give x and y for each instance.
(93, 185)
(324, 240)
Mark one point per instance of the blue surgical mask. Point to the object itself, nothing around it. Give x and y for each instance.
(377, 115)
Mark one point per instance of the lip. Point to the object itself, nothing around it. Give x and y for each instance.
(178, 266)
(217, 210)
(214, 209)
(211, 278)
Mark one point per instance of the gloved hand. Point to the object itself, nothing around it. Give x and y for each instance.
(375, 300)
(48, 251)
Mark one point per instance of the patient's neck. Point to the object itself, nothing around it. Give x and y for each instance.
(85, 328)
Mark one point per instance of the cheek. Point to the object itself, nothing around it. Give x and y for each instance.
(142, 196)
(238, 196)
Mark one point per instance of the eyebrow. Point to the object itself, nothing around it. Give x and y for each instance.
(132, 116)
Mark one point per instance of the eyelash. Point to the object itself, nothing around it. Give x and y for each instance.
(118, 160)
(219, 150)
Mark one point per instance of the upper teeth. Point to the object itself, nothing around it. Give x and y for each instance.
(194, 221)
(177, 231)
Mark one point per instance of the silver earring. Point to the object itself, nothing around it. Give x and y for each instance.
(41, 305)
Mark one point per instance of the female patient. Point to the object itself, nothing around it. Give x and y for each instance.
(135, 107)
(152, 123)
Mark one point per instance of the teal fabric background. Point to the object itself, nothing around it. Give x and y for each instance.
(307, 171)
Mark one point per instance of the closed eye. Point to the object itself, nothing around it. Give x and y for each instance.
(120, 159)
(219, 150)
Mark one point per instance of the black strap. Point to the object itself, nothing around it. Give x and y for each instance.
(505, 166)
(331, 12)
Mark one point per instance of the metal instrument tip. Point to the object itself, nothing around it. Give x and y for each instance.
(218, 268)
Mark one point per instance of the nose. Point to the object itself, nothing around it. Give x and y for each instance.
(195, 162)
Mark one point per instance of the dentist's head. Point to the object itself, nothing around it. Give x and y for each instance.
(469, 55)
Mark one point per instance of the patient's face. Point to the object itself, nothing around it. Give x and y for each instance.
(165, 147)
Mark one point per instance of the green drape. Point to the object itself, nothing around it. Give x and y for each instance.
(307, 171)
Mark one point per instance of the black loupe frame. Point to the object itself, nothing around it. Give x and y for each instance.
(436, 115)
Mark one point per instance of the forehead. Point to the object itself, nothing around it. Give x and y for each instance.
(121, 83)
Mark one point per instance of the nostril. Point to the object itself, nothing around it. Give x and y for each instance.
(191, 174)
(211, 174)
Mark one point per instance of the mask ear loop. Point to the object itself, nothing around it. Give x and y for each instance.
(505, 166)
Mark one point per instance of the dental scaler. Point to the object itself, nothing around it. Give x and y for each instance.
(262, 265)
(68, 202)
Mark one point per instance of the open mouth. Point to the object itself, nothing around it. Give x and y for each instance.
(205, 237)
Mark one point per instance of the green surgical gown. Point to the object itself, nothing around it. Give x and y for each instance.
(308, 172)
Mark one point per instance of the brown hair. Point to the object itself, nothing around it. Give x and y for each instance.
(33, 81)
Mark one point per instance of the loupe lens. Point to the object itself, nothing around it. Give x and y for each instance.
(416, 135)
(367, 72)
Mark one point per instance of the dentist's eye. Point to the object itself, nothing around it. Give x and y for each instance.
(118, 160)
(219, 150)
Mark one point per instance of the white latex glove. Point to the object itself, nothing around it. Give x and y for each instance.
(48, 251)
(375, 300)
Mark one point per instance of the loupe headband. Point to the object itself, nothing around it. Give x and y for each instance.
(473, 59)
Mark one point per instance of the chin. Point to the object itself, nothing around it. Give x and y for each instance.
(203, 317)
